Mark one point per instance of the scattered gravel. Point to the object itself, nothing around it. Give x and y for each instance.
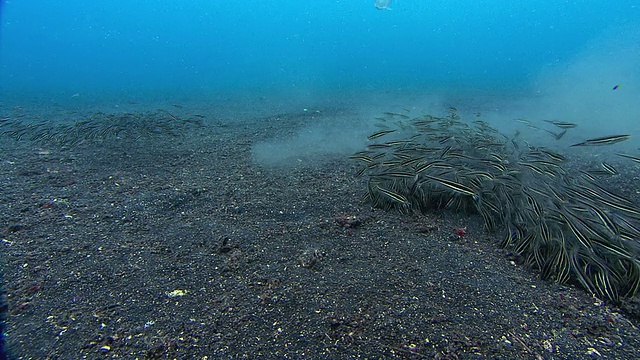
(184, 248)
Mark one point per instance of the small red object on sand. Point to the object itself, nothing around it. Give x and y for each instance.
(461, 231)
(348, 221)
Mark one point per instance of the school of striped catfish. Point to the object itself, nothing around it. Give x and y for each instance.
(562, 221)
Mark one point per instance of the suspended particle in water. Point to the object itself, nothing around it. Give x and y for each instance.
(383, 4)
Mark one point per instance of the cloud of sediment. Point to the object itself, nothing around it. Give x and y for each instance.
(579, 89)
(341, 135)
(314, 143)
(582, 89)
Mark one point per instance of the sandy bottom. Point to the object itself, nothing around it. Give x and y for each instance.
(247, 238)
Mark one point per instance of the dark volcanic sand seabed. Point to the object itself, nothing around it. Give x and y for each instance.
(185, 248)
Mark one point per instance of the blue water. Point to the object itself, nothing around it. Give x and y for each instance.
(75, 46)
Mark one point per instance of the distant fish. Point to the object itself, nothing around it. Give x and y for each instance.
(561, 124)
(396, 114)
(557, 136)
(632, 157)
(379, 133)
(616, 87)
(605, 140)
(383, 4)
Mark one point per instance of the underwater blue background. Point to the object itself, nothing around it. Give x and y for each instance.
(74, 46)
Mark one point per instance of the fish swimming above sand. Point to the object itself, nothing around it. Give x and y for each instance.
(557, 136)
(605, 140)
(632, 157)
(383, 4)
(561, 124)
